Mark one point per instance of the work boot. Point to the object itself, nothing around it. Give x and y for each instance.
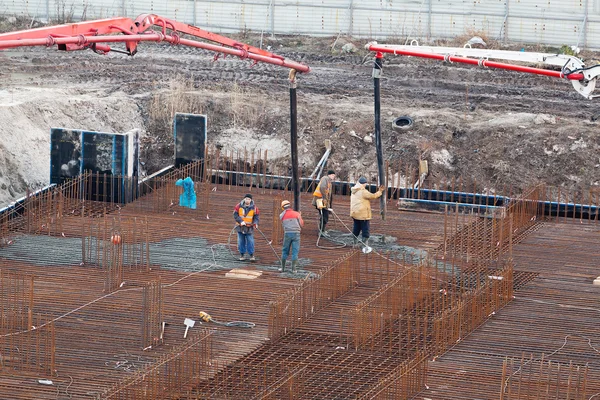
(242, 258)
(252, 258)
(294, 265)
(354, 242)
(366, 242)
(325, 234)
(282, 269)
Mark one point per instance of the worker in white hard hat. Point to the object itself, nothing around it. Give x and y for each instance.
(292, 225)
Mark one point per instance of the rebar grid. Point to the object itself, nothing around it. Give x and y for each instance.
(531, 379)
(173, 374)
(16, 301)
(310, 346)
(152, 315)
(413, 314)
(335, 365)
(311, 296)
(405, 381)
(29, 346)
(277, 228)
(118, 239)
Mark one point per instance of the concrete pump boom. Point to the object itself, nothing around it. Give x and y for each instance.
(95, 34)
(573, 69)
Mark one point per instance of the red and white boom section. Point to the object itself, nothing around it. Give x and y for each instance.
(573, 69)
(95, 34)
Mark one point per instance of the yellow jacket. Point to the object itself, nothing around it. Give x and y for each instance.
(360, 205)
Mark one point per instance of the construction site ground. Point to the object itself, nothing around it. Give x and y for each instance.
(501, 129)
(553, 315)
(99, 344)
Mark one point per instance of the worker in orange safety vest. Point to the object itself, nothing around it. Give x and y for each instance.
(322, 200)
(246, 216)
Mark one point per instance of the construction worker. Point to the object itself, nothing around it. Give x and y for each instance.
(322, 199)
(292, 225)
(246, 216)
(360, 209)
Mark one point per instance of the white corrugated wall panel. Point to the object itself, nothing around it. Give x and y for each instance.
(530, 30)
(233, 16)
(449, 26)
(547, 8)
(392, 19)
(458, 18)
(24, 8)
(390, 24)
(307, 17)
(551, 22)
(100, 9)
(158, 7)
(179, 10)
(318, 3)
(592, 37)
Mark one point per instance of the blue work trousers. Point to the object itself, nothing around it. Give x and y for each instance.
(246, 243)
(361, 225)
(291, 239)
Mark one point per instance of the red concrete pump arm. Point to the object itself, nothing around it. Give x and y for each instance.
(573, 69)
(95, 34)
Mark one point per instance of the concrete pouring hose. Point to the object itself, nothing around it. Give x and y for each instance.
(340, 244)
(370, 249)
(230, 246)
(366, 248)
(205, 317)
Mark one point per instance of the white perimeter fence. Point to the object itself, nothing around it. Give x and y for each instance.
(548, 22)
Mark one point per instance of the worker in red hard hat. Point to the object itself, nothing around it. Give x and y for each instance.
(292, 225)
(246, 216)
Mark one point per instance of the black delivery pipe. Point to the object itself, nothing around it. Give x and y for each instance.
(294, 139)
(377, 69)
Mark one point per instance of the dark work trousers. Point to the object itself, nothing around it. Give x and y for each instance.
(323, 218)
(361, 225)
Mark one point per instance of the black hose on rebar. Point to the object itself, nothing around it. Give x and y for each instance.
(229, 245)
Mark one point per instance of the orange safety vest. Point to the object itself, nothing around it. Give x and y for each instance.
(317, 192)
(247, 218)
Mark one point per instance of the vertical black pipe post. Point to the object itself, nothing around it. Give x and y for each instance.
(294, 139)
(377, 69)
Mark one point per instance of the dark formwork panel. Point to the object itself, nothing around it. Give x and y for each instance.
(111, 155)
(65, 154)
(190, 138)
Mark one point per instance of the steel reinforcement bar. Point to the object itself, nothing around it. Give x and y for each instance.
(174, 374)
(311, 296)
(532, 379)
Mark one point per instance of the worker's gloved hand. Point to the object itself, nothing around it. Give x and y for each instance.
(330, 209)
(256, 226)
(320, 204)
(243, 223)
(381, 188)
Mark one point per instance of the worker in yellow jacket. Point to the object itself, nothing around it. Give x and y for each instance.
(360, 208)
